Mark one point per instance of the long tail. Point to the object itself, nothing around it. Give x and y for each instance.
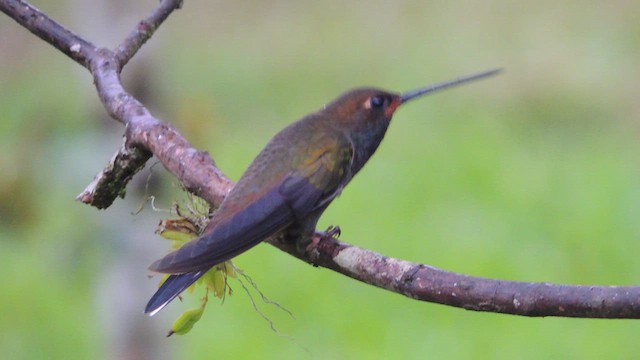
(170, 289)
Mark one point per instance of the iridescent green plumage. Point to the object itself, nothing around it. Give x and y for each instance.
(290, 183)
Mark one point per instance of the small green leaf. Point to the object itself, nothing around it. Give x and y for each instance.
(184, 323)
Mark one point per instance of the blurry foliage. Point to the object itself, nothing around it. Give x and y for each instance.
(532, 175)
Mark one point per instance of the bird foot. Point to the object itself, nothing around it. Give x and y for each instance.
(303, 242)
(333, 231)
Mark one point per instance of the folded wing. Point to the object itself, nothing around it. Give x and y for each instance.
(296, 195)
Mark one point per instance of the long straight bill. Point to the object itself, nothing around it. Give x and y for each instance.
(446, 84)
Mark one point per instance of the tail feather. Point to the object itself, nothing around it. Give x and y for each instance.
(170, 289)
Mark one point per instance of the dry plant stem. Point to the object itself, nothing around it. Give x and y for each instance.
(146, 135)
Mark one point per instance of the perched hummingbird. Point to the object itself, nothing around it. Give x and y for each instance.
(290, 183)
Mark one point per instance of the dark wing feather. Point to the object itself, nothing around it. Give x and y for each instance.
(170, 288)
(230, 237)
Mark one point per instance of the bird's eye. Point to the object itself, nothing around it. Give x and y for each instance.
(377, 101)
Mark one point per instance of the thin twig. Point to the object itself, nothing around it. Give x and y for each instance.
(111, 182)
(144, 30)
(48, 30)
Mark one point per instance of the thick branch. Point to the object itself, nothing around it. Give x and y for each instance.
(427, 283)
(146, 135)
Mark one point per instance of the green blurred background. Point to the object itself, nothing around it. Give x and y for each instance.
(532, 175)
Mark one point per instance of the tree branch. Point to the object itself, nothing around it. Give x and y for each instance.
(145, 29)
(32, 19)
(428, 283)
(146, 135)
(145, 131)
(112, 181)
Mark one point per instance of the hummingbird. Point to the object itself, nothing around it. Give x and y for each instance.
(291, 182)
